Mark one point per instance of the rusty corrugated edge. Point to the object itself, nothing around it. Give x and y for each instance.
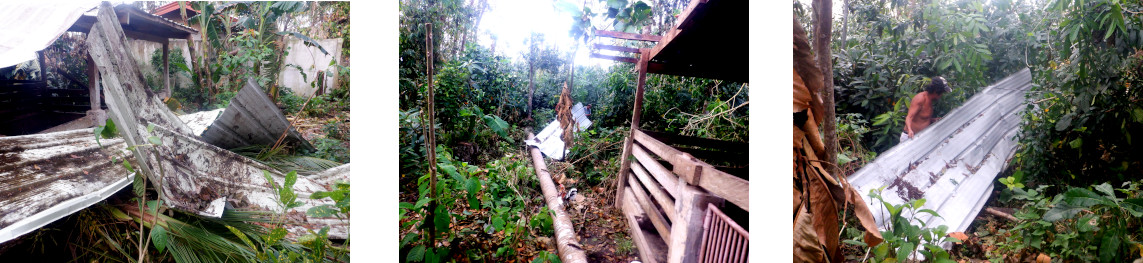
(46, 177)
(953, 163)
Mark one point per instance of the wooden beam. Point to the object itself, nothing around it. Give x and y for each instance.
(652, 211)
(724, 185)
(675, 139)
(687, 17)
(615, 58)
(664, 200)
(147, 37)
(661, 174)
(627, 36)
(616, 48)
(650, 250)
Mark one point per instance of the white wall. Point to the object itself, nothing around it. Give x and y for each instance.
(311, 60)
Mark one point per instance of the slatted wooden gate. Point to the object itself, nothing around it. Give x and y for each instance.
(666, 193)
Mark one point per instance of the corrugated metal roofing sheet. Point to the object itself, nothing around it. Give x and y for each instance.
(252, 118)
(44, 177)
(953, 163)
(548, 140)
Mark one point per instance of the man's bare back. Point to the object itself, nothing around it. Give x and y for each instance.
(920, 114)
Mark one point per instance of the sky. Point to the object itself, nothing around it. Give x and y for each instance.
(512, 21)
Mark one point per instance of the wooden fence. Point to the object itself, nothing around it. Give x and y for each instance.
(666, 192)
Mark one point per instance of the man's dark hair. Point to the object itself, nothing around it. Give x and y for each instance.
(938, 86)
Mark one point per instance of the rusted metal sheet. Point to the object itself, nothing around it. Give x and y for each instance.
(252, 119)
(45, 177)
(194, 176)
(548, 140)
(953, 163)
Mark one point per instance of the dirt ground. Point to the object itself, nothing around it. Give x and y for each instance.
(600, 226)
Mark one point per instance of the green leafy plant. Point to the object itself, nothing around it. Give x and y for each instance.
(903, 239)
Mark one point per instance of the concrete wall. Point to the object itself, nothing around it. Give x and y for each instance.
(311, 60)
(141, 50)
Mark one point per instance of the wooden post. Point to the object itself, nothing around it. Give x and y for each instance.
(166, 70)
(686, 233)
(96, 113)
(93, 83)
(431, 133)
(43, 66)
(624, 160)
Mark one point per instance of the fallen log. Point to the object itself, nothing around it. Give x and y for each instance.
(567, 243)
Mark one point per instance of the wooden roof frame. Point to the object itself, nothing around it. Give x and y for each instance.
(688, 50)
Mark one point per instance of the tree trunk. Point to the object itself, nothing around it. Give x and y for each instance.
(567, 242)
(844, 23)
(823, 11)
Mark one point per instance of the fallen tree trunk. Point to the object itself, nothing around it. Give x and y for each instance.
(567, 243)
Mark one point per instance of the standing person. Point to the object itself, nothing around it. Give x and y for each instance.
(921, 109)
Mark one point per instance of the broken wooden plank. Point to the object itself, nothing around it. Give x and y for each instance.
(45, 177)
(650, 209)
(567, 243)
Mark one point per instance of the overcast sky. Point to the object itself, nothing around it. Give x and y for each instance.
(512, 21)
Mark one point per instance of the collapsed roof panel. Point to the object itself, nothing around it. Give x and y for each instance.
(194, 176)
(45, 177)
(548, 140)
(252, 119)
(953, 163)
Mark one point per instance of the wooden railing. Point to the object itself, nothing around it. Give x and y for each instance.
(666, 193)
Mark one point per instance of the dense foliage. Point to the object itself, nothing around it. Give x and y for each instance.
(1079, 127)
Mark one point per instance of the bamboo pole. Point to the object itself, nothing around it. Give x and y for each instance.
(431, 134)
(567, 243)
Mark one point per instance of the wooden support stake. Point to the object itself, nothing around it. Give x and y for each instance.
(431, 133)
(567, 243)
(624, 164)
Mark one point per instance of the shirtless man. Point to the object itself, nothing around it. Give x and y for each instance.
(921, 109)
